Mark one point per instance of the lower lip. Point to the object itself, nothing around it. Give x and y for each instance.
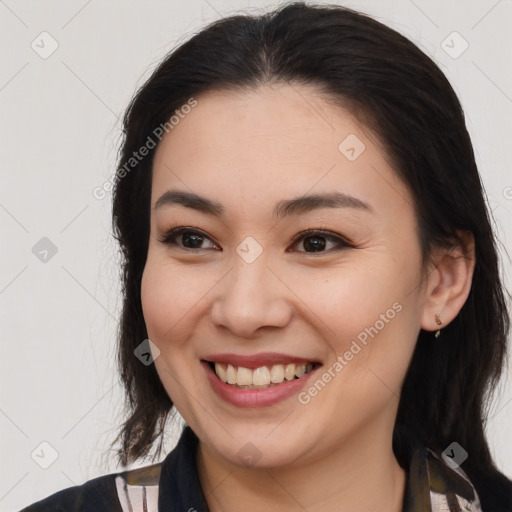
(255, 397)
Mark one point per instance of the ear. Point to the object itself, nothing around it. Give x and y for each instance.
(449, 281)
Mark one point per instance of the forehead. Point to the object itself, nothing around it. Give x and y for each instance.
(274, 116)
(272, 142)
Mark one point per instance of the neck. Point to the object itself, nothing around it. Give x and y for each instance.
(359, 475)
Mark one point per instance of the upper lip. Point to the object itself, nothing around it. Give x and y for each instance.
(257, 360)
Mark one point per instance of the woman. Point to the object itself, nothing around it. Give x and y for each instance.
(307, 246)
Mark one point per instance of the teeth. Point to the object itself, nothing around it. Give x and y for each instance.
(221, 372)
(260, 377)
(289, 372)
(244, 376)
(230, 375)
(277, 374)
(300, 370)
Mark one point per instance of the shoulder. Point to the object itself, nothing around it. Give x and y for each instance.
(115, 492)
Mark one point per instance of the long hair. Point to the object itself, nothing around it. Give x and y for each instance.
(408, 103)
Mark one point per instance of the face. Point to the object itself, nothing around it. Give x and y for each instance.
(297, 251)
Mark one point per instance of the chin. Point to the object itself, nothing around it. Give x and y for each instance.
(264, 446)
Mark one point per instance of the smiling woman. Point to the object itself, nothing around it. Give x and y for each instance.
(311, 275)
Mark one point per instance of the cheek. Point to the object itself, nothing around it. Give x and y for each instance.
(172, 298)
(352, 296)
(367, 313)
(165, 298)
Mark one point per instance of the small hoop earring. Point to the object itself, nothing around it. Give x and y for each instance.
(438, 322)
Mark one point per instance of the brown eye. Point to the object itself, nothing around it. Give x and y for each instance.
(185, 238)
(313, 241)
(318, 241)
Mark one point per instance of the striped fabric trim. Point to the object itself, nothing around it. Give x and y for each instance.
(137, 490)
(434, 486)
(450, 500)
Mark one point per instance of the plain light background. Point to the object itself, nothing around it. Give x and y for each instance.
(60, 131)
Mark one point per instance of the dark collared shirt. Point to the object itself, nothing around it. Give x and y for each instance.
(173, 485)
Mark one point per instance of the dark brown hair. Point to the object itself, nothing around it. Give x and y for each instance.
(412, 109)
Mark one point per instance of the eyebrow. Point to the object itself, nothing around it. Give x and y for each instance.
(284, 208)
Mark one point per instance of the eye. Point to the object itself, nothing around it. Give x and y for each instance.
(189, 237)
(314, 240)
(317, 241)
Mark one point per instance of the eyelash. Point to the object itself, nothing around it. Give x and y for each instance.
(342, 242)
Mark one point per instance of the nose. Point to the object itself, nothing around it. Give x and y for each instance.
(250, 298)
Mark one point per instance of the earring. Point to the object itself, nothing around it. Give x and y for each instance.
(438, 322)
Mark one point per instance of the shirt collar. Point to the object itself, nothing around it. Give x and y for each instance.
(179, 486)
(431, 486)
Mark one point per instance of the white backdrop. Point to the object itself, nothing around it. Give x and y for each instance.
(68, 71)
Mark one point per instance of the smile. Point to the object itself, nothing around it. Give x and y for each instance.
(262, 377)
(257, 380)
